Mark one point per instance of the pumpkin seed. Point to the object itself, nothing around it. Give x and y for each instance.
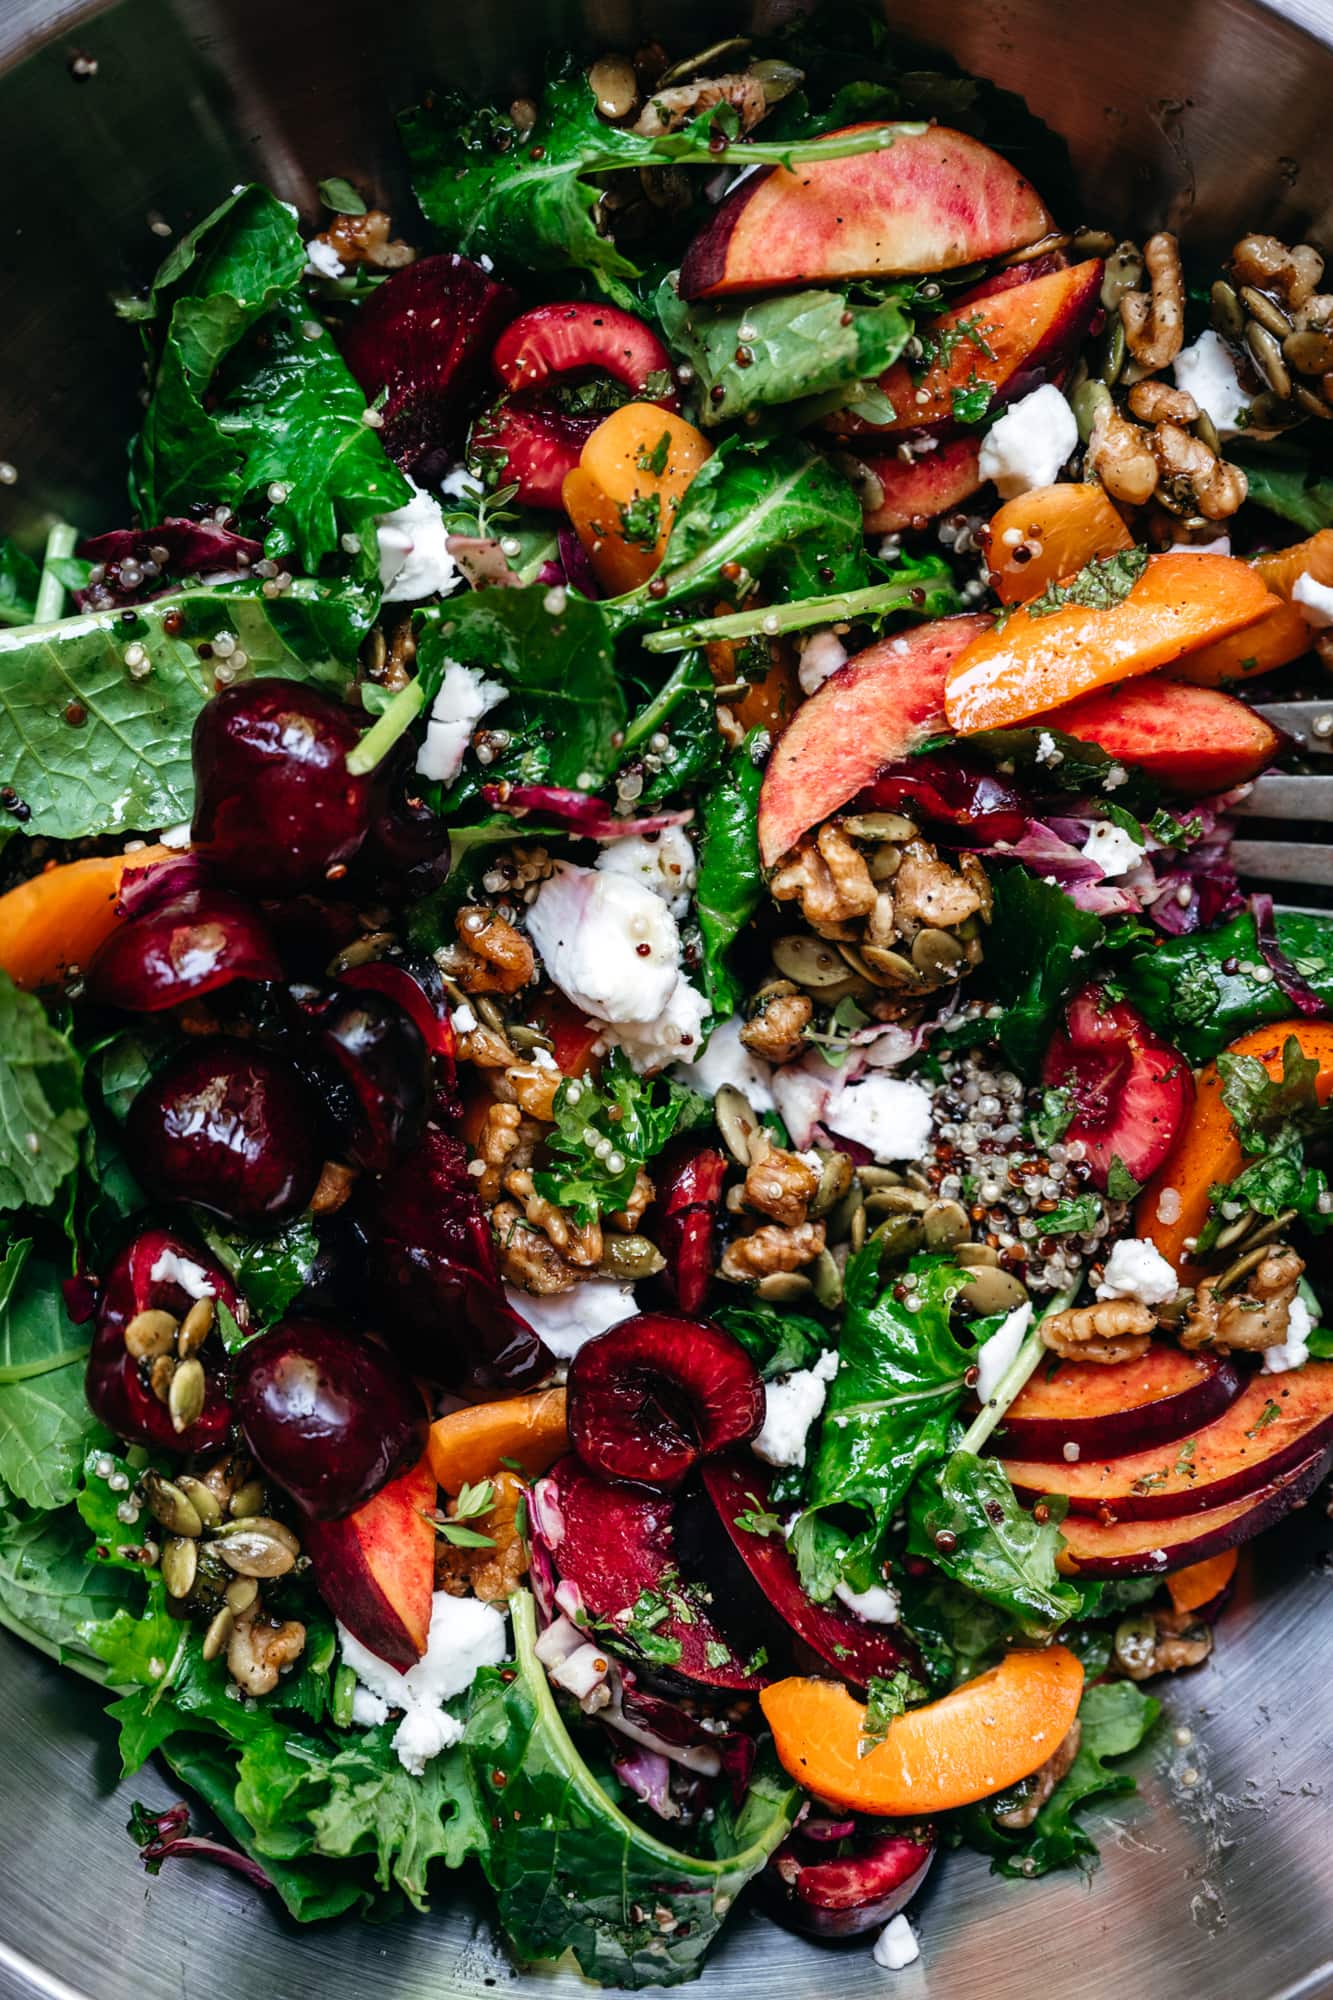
(628, 1257)
(149, 1334)
(614, 87)
(826, 1280)
(899, 1236)
(835, 1179)
(1113, 356)
(913, 1177)
(884, 862)
(971, 1255)
(195, 1328)
(809, 961)
(1090, 243)
(1309, 353)
(1123, 273)
(715, 57)
(1266, 353)
(937, 954)
(946, 1224)
(1256, 1240)
(1227, 312)
(241, 1594)
(1308, 400)
(1135, 1644)
(884, 967)
(897, 1201)
(523, 1037)
(1206, 431)
(1270, 413)
(842, 1216)
(202, 1498)
(878, 1177)
(261, 1524)
(991, 1290)
(856, 1235)
(784, 1288)
(253, 1553)
(1267, 311)
(247, 1500)
(186, 1394)
(742, 1134)
(880, 826)
(160, 1376)
(219, 1631)
(779, 79)
(170, 1507)
(1086, 402)
(180, 1561)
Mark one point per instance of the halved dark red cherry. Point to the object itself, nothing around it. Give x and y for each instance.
(275, 805)
(379, 1062)
(328, 1414)
(421, 340)
(181, 950)
(690, 1192)
(537, 442)
(1131, 1090)
(118, 1385)
(231, 1126)
(408, 844)
(951, 796)
(654, 1395)
(416, 986)
(835, 1880)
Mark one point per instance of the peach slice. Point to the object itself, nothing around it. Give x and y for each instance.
(931, 201)
(1193, 740)
(878, 707)
(376, 1568)
(914, 490)
(57, 919)
(470, 1444)
(1123, 1406)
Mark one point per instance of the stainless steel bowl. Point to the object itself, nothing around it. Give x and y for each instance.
(1212, 114)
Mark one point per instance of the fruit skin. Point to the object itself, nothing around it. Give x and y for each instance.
(913, 491)
(327, 1413)
(1033, 666)
(379, 1064)
(275, 806)
(1194, 740)
(231, 1126)
(1132, 1091)
(929, 202)
(982, 1738)
(876, 708)
(470, 1444)
(652, 1396)
(1207, 1150)
(375, 1568)
(1151, 1548)
(831, 1896)
(1123, 1407)
(1059, 530)
(59, 918)
(116, 1385)
(179, 951)
(690, 1190)
(1275, 1423)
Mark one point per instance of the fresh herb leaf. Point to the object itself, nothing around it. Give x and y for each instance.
(1286, 481)
(1100, 584)
(269, 1271)
(41, 1103)
(1049, 1124)
(631, 1116)
(757, 1520)
(730, 883)
(922, 586)
(958, 1634)
(654, 460)
(887, 1696)
(340, 196)
(972, 401)
(641, 520)
(991, 1544)
(19, 577)
(1276, 1119)
(776, 1339)
(1037, 947)
(1120, 1182)
(1072, 1218)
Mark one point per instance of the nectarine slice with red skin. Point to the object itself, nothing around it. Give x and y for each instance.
(1037, 666)
(1282, 636)
(375, 1569)
(1124, 1406)
(1047, 534)
(1207, 1150)
(1193, 740)
(1152, 1548)
(1200, 1585)
(1276, 1422)
(879, 707)
(931, 201)
(985, 1736)
(914, 490)
(1012, 341)
(471, 1444)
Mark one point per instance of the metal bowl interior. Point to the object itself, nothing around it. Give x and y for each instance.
(1210, 114)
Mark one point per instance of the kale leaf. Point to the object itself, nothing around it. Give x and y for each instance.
(730, 882)
(1202, 992)
(46, 1426)
(1037, 946)
(42, 1111)
(776, 1339)
(52, 1585)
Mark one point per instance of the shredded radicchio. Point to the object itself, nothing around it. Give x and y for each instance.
(159, 1835)
(1302, 996)
(141, 563)
(580, 812)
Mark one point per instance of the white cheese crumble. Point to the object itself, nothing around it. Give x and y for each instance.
(414, 559)
(727, 1060)
(1207, 371)
(1047, 750)
(323, 259)
(463, 1020)
(1001, 1349)
(664, 862)
(608, 943)
(464, 697)
(822, 653)
(171, 1269)
(1136, 1269)
(1113, 849)
(889, 1114)
(671, 1036)
(896, 1945)
(1294, 1351)
(175, 836)
(465, 1635)
(1314, 601)
(566, 1320)
(791, 1405)
(1027, 446)
(878, 1605)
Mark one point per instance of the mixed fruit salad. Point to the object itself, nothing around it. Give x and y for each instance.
(665, 1204)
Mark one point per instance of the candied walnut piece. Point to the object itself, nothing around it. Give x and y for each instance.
(1270, 265)
(1121, 457)
(492, 1573)
(928, 893)
(365, 239)
(1251, 1320)
(1154, 321)
(1160, 1642)
(533, 1087)
(260, 1647)
(628, 1218)
(777, 1030)
(829, 878)
(492, 956)
(780, 1184)
(1114, 1330)
(498, 1145)
(772, 1249)
(1218, 488)
(1043, 1782)
(577, 1243)
(1155, 402)
(333, 1188)
(528, 1258)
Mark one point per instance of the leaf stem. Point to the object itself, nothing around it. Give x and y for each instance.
(659, 708)
(384, 732)
(876, 601)
(1017, 1375)
(50, 603)
(683, 151)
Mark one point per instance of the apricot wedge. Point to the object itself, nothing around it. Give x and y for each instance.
(913, 490)
(1283, 635)
(931, 201)
(376, 1568)
(527, 1432)
(623, 494)
(56, 920)
(1034, 665)
(1193, 740)
(877, 708)
(982, 1738)
(1049, 533)
(1203, 1582)
(1173, 1208)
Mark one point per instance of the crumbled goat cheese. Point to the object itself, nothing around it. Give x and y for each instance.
(791, 1405)
(608, 943)
(664, 862)
(414, 559)
(464, 697)
(1027, 446)
(183, 1271)
(565, 1320)
(324, 260)
(1295, 1350)
(1047, 751)
(1136, 1269)
(460, 484)
(822, 653)
(175, 836)
(463, 1020)
(465, 1635)
(801, 1091)
(888, 1114)
(1114, 850)
(727, 1060)
(671, 1036)
(1315, 600)
(1207, 372)
(995, 1357)
(878, 1605)
(896, 1945)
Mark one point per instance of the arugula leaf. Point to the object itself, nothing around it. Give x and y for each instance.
(632, 1114)
(1100, 584)
(1201, 992)
(797, 345)
(19, 577)
(1074, 1217)
(922, 586)
(46, 1426)
(41, 1103)
(891, 1406)
(340, 196)
(1030, 963)
(777, 1340)
(570, 1871)
(957, 1633)
(140, 682)
(730, 883)
(991, 1544)
(51, 1586)
(268, 1271)
(1286, 480)
(1274, 1117)
(98, 1502)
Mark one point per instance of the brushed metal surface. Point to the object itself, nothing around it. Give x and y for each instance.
(1213, 114)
